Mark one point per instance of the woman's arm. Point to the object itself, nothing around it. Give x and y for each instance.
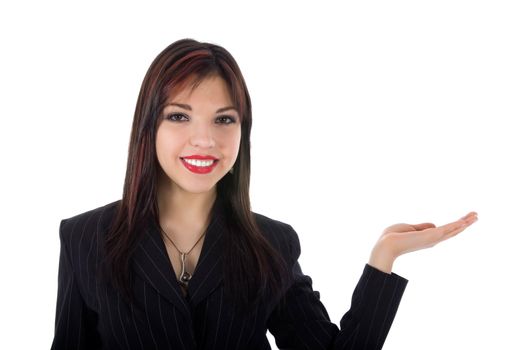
(75, 324)
(302, 322)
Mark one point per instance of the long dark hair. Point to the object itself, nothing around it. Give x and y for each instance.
(247, 252)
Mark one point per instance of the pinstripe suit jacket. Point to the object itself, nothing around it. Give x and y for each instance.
(91, 315)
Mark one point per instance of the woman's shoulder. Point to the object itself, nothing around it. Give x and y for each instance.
(93, 220)
(280, 234)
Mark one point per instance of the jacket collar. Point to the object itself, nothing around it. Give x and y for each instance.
(151, 262)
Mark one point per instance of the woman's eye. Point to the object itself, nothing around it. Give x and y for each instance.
(176, 116)
(226, 119)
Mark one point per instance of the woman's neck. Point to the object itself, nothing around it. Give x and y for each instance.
(187, 211)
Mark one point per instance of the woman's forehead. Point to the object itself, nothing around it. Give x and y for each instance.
(214, 85)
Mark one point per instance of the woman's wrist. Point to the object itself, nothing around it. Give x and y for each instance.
(381, 259)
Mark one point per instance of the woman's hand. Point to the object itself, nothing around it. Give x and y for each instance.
(399, 239)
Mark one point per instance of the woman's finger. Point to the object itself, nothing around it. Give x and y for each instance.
(404, 238)
(452, 234)
(452, 229)
(467, 222)
(470, 215)
(432, 235)
(423, 226)
(407, 227)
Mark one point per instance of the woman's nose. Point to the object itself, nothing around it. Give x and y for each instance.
(202, 136)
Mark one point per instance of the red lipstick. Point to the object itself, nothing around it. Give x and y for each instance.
(201, 157)
(199, 169)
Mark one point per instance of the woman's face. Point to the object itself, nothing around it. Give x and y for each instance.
(202, 122)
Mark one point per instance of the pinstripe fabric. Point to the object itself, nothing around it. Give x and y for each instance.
(91, 315)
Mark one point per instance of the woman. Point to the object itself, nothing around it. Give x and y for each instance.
(181, 262)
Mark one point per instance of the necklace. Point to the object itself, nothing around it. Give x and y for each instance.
(185, 276)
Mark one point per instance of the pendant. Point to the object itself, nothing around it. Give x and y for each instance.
(185, 276)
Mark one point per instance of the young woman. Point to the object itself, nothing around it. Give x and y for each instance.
(181, 261)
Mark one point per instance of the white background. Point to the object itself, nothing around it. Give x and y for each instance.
(365, 115)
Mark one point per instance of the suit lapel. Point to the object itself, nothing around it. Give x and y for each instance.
(208, 272)
(152, 263)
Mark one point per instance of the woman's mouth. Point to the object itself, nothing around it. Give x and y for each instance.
(198, 166)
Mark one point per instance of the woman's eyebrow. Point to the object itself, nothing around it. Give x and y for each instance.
(188, 107)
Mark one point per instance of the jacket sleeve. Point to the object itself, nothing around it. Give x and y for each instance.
(75, 324)
(301, 321)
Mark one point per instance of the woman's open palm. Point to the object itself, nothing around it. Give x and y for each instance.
(400, 239)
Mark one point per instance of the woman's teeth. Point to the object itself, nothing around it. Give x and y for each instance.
(196, 162)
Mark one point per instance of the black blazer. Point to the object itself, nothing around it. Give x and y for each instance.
(91, 315)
